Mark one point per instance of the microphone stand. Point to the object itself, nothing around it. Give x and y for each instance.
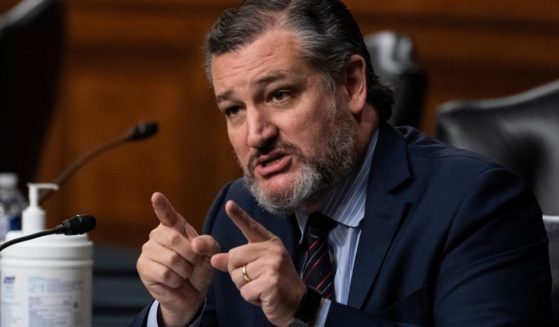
(78, 224)
(27, 238)
(139, 132)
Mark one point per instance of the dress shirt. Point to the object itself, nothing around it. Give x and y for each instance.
(346, 205)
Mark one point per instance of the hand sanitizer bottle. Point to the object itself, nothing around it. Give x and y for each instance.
(45, 281)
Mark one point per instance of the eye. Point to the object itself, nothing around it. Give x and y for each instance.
(280, 95)
(232, 111)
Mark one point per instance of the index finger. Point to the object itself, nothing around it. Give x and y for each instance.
(251, 229)
(169, 217)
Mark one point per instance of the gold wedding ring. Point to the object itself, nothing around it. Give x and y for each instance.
(245, 275)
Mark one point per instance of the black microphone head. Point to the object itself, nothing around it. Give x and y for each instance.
(79, 224)
(142, 131)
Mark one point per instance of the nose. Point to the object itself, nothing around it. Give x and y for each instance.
(261, 131)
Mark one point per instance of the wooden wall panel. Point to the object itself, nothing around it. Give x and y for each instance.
(472, 49)
(126, 65)
(132, 60)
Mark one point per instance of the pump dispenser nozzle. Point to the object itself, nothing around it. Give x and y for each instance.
(33, 217)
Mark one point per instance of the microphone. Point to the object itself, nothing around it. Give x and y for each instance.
(142, 131)
(76, 225)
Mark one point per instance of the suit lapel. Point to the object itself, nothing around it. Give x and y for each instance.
(383, 212)
(284, 227)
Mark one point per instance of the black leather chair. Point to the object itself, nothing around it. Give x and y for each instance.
(522, 133)
(393, 59)
(31, 49)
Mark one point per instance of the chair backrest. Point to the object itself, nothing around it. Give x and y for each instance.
(393, 59)
(31, 47)
(521, 132)
(552, 227)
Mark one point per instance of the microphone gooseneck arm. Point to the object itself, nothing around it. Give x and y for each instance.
(26, 238)
(138, 132)
(78, 224)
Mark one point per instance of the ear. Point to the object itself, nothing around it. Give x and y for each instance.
(353, 84)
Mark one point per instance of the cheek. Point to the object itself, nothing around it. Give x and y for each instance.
(313, 135)
(239, 146)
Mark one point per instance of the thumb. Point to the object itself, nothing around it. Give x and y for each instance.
(220, 261)
(205, 245)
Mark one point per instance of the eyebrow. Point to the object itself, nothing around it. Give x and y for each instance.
(223, 96)
(274, 76)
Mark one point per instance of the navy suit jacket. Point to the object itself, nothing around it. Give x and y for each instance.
(449, 239)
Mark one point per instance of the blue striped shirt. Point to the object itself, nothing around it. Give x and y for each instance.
(346, 205)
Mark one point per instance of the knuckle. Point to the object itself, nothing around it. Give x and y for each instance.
(234, 254)
(246, 293)
(175, 282)
(174, 259)
(153, 233)
(275, 265)
(172, 238)
(139, 266)
(165, 275)
(169, 278)
(273, 279)
(276, 249)
(146, 246)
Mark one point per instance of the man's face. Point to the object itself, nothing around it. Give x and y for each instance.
(291, 137)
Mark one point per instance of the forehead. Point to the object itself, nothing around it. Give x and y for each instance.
(276, 52)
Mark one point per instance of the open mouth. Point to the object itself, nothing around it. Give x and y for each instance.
(271, 164)
(270, 161)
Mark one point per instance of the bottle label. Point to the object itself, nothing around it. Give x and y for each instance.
(45, 297)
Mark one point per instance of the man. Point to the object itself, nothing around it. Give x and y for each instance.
(424, 234)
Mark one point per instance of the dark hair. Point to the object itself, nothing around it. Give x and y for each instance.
(328, 33)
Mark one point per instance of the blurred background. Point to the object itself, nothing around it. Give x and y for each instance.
(125, 61)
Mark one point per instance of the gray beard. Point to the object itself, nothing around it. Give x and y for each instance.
(319, 175)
